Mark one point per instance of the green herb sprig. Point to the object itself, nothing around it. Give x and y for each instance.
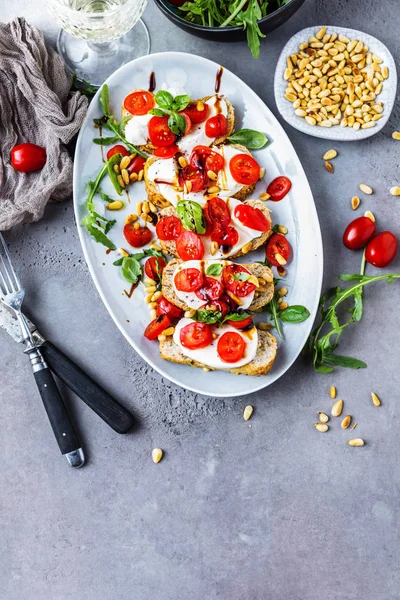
(97, 225)
(130, 265)
(191, 215)
(171, 107)
(252, 139)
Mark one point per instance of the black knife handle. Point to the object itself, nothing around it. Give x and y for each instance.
(109, 409)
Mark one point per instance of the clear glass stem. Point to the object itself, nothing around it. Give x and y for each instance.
(105, 48)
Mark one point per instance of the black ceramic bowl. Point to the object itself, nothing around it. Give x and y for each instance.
(229, 34)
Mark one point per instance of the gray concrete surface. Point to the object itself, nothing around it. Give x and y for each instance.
(275, 511)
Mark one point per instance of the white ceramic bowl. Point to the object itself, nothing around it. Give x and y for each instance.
(336, 132)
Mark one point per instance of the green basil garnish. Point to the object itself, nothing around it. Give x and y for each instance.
(294, 314)
(177, 123)
(241, 276)
(191, 215)
(208, 316)
(214, 270)
(164, 99)
(249, 137)
(114, 160)
(180, 102)
(130, 269)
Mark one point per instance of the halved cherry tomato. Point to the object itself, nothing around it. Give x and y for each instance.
(157, 326)
(216, 210)
(154, 266)
(168, 228)
(244, 169)
(195, 115)
(231, 347)
(221, 305)
(189, 246)
(28, 157)
(225, 236)
(210, 290)
(358, 233)
(231, 280)
(166, 151)
(159, 132)
(252, 217)
(278, 188)
(118, 149)
(137, 237)
(188, 123)
(196, 335)
(203, 157)
(139, 103)
(242, 324)
(216, 126)
(164, 307)
(195, 176)
(136, 165)
(382, 249)
(188, 280)
(277, 244)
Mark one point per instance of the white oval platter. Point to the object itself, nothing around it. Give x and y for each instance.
(297, 211)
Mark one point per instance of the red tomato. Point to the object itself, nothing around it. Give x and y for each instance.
(243, 324)
(277, 244)
(159, 132)
(195, 115)
(164, 307)
(136, 165)
(195, 176)
(188, 280)
(166, 151)
(358, 233)
(244, 169)
(188, 123)
(168, 228)
(210, 290)
(157, 326)
(139, 103)
(231, 281)
(28, 157)
(252, 217)
(203, 157)
(189, 246)
(137, 237)
(220, 305)
(216, 126)
(278, 188)
(154, 267)
(196, 335)
(227, 236)
(231, 347)
(382, 249)
(118, 149)
(216, 210)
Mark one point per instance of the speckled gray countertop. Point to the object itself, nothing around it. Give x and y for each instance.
(272, 512)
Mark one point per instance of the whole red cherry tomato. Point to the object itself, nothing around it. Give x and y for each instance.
(382, 249)
(216, 126)
(358, 233)
(278, 188)
(28, 157)
(195, 115)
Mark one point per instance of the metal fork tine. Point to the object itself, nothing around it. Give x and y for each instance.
(3, 272)
(17, 281)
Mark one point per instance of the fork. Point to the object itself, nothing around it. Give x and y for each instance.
(12, 294)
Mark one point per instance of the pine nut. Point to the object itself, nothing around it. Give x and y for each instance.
(155, 246)
(282, 292)
(116, 169)
(161, 337)
(140, 175)
(329, 167)
(187, 186)
(125, 176)
(152, 305)
(139, 208)
(337, 408)
(211, 175)
(332, 392)
(145, 207)
(262, 172)
(121, 181)
(156, 455)
(148, 298)
(156, 296)
(169, 331)
(153, 314)
(264, 326)
(346, 422)
(200, 106)
(248, 411)
(279, 258)
(213, 248)
(151, 289)
(136, 226)
(153, 208)
(281, 271)
(190, 313)
(182, 161)
(321, 427)
(396, 135)
(375, 399)
(133, 177)
(214, 189)
(356, 442)
(147, 217)
(395, 190)
(125, 162)
(130, 219)
(370, 215)
(283, 305)
(355, 202)
(264, 196)
(235, 298)
(117, 205)
(329, 155)
(323, 417)
(366, 189)
(123, 252)
(133, 155)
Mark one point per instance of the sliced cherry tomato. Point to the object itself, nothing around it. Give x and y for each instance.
(195, 176)
(231, 278)
(244, 169)
(136, 165)
(139, 103)
(189, 246)
(195, 115)
(157, 326)
(242, 324)
(358, 233)
(159, 132)
(231, 347)
(154, 266)
(227, 236)
(188, 123)
(28, 157)
(204, 158)
(252, 217)
(137, 237)
(210, 290)
(166, 151)
(168, 228)
(196, 335)
(278, 188)
(164, 307)
(188, 280)
(216, 210)
(277, 244)
(118, 149)
(216, 126)
(382, 249)
(221, 305)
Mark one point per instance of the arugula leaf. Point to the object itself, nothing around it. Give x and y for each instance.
(82, 86)
(105, 100)
(105, 141)
(130, 269)
(106, 198)
(164, 99)
(294, 314)
(114, 160)
(177, 123)
(214, 270)
(250, 17)
(248, 137)
(208, 316)
(192, 216)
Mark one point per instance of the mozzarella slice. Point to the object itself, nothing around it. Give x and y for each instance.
(209, 355)
(136, 130)
(197, 134)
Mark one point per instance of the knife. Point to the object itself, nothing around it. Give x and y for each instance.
(104, 405)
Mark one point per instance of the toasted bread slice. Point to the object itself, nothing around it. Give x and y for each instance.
(260, 365)
(169, 247)
(260, 271)
(158, 199)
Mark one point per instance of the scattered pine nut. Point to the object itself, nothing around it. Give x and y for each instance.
(182, 161)
(213, 248)
(169, 331)
(282, 229)
(346, 422)
(264, 326)
(145, 207)
(200, 106)
(354, 425)
(262, 172)
(153, 208)
(337, 408)
(282, 292)
(121, 181)
(139, 208)
(281, 271)
(140, 175)
(125, 175)
(136, 226)
(125, 162)
(211, 175)
(156, 296)
(283, 305)
(264, 196)
(366, 189)
(329, 167)
(133, 155)
(188, 186)
(153, 314)
(116, 168)
(214, 189)
(235, 298)
(395, 190)
(329, 155)
(133, 177)
(370, 215)
(150, 290)
(248, 411)
(130, 219)
(156, 455)
(332, 392)
(161, 337)
(375, 399)
(190, 313)
(279, 258)
(396, 135)
(152, 305)
(247, 247)
(123, 252)
(117, 205)
(323, 417)
(356, 442)
(321, 427)
(155, 246)
(148, 298)
(355, 202)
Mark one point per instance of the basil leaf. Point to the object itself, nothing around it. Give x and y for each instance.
(114, 160)
(180, 102)
(158, 112)
(249, 137)
(191, 215)
(105, 141)
(207, 316)
(164, 99)
(130, 269)
(177, 123)
(236, 317)
(214, 270)
(294, 314)
(105, 100)
(241, 276)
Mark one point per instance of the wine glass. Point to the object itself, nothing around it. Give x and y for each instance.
(98, 36)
